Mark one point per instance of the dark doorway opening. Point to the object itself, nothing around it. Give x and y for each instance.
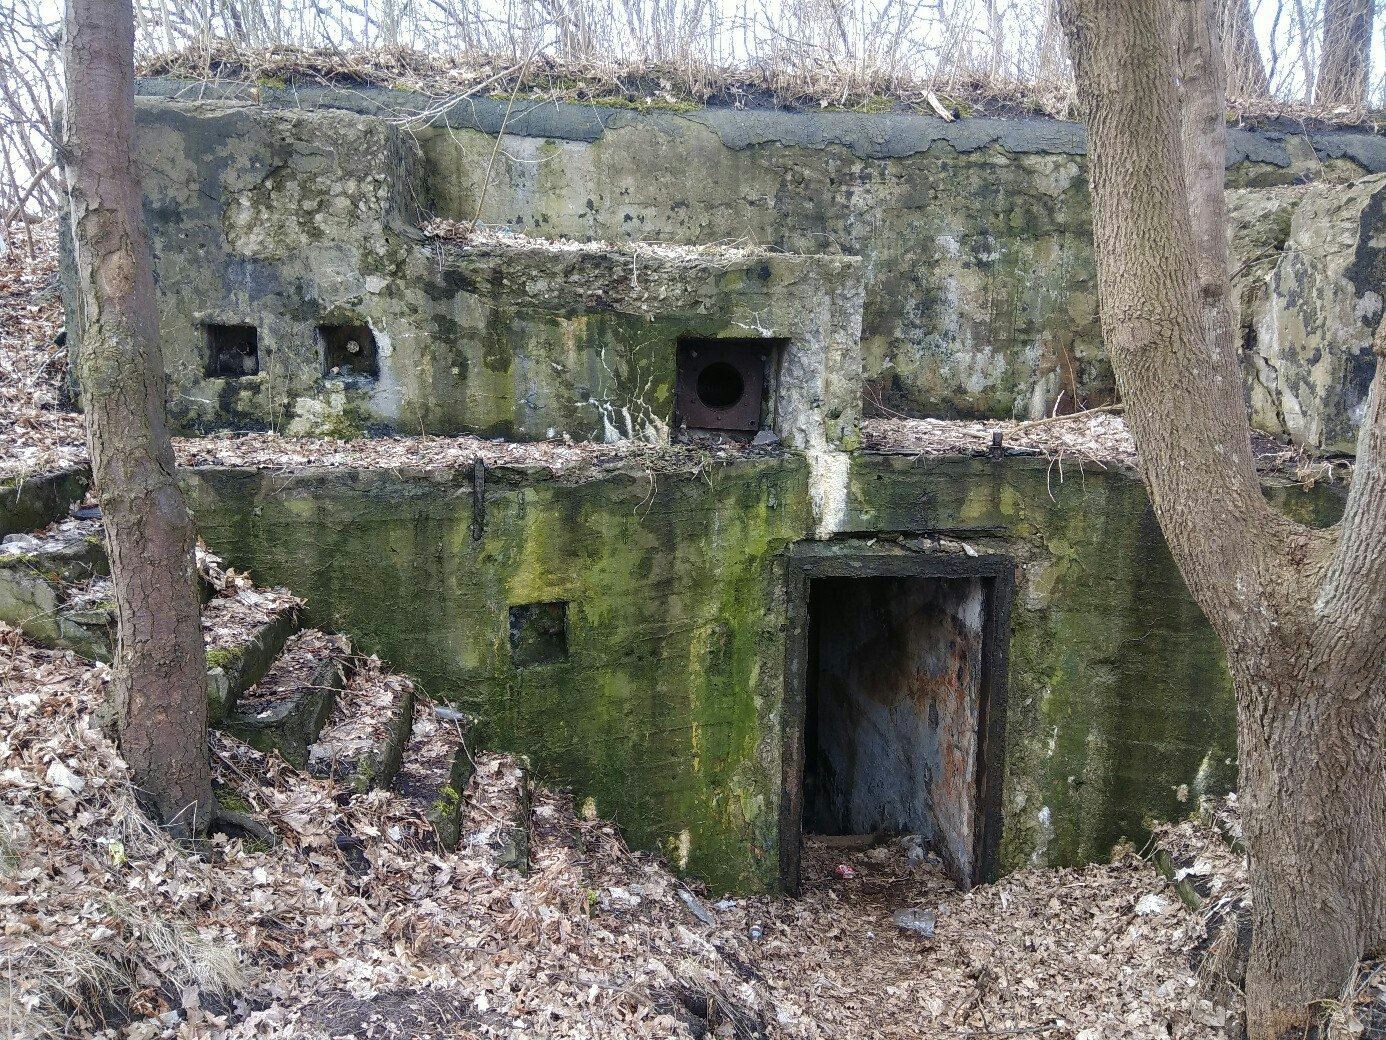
(895, 702)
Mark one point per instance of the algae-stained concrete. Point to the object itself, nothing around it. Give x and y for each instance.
(296, 223)
(974, 241)
(662, 710)
(664, 705)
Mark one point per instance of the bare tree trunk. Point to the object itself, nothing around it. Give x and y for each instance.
(1345, 57)
(160, 676)
(1246, 72)
(1297, 610)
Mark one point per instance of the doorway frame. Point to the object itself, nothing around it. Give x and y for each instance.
(857, 558)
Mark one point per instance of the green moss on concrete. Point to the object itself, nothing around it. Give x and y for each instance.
(228, 799)
(657, 712)
(221, 657)
(447, 804)
(666, 710)
(1314, 505)
(1120, 705)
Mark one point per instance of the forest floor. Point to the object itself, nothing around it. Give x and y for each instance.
(352, 923)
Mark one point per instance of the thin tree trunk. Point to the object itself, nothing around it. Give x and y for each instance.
(1202, 110)
(1246, 72)
(1345, 56)
(159, 683)
(1297, 610)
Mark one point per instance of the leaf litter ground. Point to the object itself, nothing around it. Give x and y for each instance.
(353, 923)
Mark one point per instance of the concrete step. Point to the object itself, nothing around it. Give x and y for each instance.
(287, 709)
(244, 639)
(55, 587)
(371, 724)
(30, 502)
(436, 768)
(497, 811)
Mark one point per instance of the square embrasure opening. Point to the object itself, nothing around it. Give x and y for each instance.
(720, 383)
(538, 634)
(232, 350)
(349, 350)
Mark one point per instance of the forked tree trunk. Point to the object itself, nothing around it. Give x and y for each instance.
(1298, 611)
(160, 674)
(1345, 55)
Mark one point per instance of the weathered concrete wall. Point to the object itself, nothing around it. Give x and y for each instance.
(288, 220)
(974, 235)
(663, 710)
(666, 708)
(1120, 706)
(1313, 274)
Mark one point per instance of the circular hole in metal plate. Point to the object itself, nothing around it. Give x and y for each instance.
(720, 385)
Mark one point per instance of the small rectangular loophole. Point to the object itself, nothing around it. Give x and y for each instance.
(233, 351)
(348, 350)
(538, 634)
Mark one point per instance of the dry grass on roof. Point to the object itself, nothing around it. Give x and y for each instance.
(757, 84)
(623, 84)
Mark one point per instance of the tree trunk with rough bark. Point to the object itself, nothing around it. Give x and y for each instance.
(1345, 55)
(1299, 611)
(1246, 70)
(160, 676)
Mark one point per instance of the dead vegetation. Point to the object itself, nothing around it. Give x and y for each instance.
(662, 84)
(351, 922)
(650, 84)
(1098, 437)
(1206, 861)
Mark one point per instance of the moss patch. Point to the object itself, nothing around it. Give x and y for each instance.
(665, 712)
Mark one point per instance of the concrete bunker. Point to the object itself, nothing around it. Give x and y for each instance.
(623, 623)
(895, 701)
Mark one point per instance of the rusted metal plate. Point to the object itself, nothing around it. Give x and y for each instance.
(720, 384)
